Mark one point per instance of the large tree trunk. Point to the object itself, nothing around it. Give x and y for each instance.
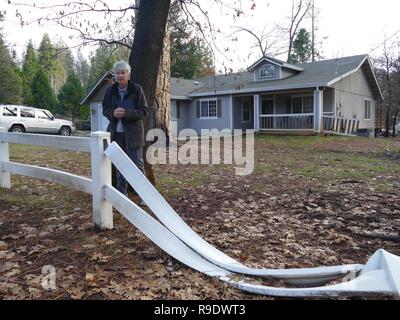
(387, 124)
(163, 92)
(146, 55)
(394, 124)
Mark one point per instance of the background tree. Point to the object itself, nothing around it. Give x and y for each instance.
(387, 75)
(82, 69)
(302, 48)
(106, 55)
(42, 93)
(265, 41)
(299, 11)
(190, 56)
(29, 68)
(47, 59)
(71, 95)
(64, 56)
(10, 81)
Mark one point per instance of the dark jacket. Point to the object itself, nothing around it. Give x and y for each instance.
(136, 108)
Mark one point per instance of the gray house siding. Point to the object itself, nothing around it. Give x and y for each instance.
(350, 97)
(329, 101)
(220, 123)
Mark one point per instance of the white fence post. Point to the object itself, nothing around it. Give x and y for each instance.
(101, 175)
(5, 177)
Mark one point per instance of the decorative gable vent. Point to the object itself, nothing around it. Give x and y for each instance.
(268, 68)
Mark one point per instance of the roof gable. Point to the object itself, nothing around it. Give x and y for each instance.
(106, 78)
(274, 61)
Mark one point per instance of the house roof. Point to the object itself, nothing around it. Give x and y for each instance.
(317, 74)
(104, 80)
(181, 88)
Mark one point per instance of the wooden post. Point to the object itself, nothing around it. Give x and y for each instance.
(101, 175)
(318, 111)
(257, 113)
(5, 177)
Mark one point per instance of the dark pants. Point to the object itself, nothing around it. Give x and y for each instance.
(136, 155)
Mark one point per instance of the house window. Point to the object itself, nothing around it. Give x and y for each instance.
(367, 109)
(303, 104)
(246, 110)
(10, 111)
(267, 71)
(208, 109)
(308, 104)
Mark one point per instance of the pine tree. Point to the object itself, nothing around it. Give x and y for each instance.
(302, 48)
(29, 69)
(65, 57)
(47, 59)
(82, 70)
(46, 54)
(42, 93)
(190, 56)
(10, 81)
(70, 96)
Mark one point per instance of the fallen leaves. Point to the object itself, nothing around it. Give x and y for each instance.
(265, 220)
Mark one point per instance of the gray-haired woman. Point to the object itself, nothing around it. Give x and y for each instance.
(125, 106)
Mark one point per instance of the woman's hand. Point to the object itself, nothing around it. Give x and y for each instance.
(119, 113)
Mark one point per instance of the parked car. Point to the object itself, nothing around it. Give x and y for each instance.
(28, 119)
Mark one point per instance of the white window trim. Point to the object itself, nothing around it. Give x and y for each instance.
(267, 77)
(216, 105)
(249, 100)
(302, 102)
(370, 109)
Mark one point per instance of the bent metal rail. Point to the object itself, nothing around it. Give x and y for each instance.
(379, 276)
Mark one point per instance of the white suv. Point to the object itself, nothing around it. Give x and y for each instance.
(27, 119)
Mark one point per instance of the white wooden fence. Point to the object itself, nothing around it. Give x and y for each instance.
(100, 165)
(340, 125)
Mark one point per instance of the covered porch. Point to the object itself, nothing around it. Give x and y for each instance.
(311, 110)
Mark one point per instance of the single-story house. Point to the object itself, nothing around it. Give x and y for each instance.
(336, 95)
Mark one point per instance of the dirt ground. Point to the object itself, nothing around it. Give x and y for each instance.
(311, 201)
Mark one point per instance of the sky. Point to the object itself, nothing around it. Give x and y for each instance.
(345, 27)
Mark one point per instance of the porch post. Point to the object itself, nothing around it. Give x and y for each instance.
(231, 112)
(256, 112)
(318, 111)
